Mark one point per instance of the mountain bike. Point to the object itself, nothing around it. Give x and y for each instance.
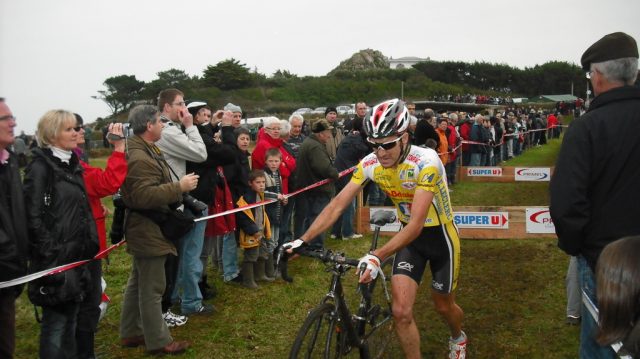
(330, 329)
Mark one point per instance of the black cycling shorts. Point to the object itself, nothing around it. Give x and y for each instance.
(438, 245)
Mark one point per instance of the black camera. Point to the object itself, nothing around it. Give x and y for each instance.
(192, 204)
(117, 226)
(126, 131)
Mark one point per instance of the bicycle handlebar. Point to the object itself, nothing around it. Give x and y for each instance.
(328, 256)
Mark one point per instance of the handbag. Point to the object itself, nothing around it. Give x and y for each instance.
(65, 287)
(176, 224)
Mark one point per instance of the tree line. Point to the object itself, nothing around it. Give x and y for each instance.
(232, 81)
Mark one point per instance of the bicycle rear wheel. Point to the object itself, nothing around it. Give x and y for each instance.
(321, 335)
(379, 331)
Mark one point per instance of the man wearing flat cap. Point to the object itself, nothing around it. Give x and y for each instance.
(314, 165)
(594, 188)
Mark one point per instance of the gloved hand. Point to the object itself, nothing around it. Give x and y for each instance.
(373, 265)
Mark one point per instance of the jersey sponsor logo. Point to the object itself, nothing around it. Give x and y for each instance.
(369, 163)
(408, 174)
(489, 220)
(405, 208)
(538, 220)
(428, 178)
(405, 266)
(484, 171)
(398, 194)
(532, 174)
(437, 285)
(413, 158)
(379, 177)
(408, 185)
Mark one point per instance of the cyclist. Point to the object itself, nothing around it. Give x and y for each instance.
(415, 180)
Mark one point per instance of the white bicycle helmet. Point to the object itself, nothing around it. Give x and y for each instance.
(387, 118)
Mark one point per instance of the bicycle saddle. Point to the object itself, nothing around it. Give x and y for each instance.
(380, 218)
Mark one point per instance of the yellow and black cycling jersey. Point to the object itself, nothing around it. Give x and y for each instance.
(421, 168)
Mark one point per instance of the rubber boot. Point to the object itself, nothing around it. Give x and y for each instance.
(269, 269)
(259, 271)
(247, 275)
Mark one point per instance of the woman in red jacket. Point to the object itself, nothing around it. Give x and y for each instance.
(271, 139)
(99, 183)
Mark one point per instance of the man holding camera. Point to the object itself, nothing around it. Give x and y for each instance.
(217, 155)
(181, 142)
(148, 187)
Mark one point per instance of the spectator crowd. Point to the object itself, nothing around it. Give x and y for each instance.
(185, 161)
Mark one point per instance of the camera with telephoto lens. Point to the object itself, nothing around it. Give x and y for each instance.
(192, 204)
(125, 132)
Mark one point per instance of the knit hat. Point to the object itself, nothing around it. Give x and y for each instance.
(330, 109)
(233, 108)
(613, 46)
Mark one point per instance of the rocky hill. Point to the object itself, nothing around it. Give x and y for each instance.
(363, 60)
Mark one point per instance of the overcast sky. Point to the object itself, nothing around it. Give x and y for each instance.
(57, 54)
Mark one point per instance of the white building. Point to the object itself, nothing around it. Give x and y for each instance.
(405, 62)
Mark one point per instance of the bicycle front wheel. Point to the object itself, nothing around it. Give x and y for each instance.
(321, 335)
(379, 331)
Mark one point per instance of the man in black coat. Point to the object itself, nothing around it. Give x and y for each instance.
(13, 231)
(594, 189)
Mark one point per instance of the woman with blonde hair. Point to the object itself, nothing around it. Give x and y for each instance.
(61, 230)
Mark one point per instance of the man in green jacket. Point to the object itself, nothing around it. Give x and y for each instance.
(148, 186)
(314, 165)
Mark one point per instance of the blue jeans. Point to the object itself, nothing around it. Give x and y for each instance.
(343, 227)
(190, 267)
(476, 159)
(589, 348)
(311, 206)
(58, 331)
(229, 256)
(451, 171)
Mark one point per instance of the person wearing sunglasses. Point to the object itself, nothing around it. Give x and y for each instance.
(415, 180)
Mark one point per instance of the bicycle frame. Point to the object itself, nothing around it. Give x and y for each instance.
(336, 295)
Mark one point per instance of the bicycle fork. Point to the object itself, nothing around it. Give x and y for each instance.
(353, 332)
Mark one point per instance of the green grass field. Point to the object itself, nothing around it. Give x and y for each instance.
(512, 292)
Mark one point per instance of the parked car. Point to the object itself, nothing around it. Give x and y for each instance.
(303, 110)
(319, 110)
(345, 110)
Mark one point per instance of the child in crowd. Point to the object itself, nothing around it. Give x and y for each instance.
(273, 188)
(617, 275)
(254, 229)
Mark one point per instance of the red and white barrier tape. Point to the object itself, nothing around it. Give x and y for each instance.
(265, 202)
(56, 270)
(102, 254)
